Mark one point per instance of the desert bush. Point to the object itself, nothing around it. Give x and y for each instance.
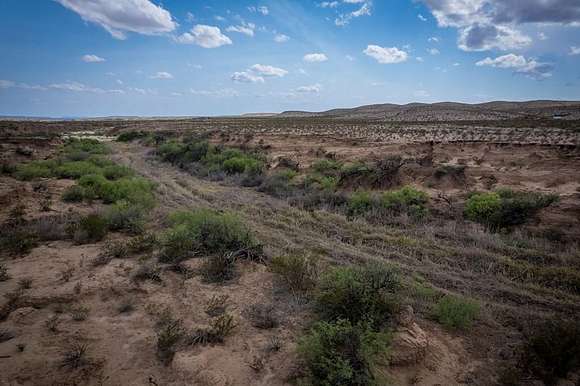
(366, 294)
(219, 329)
(79, 313)
(454, 171)
(208, 232)
(216, 305)
(242, 164)
(148, 271)
(135, 190)
(321, 199)
(75, 356)
(327, 167)
(145, 242)
(128, 136)
(123, 216)
(298, 273)
(77, 169)
(16, 239)
(263, 316)
(551, 350)
(340, 353)
(456, 313)
(218, 268)
(361, 202)
(115, 172)
(87, 145)
(278, 184)
(168, 336)
(505, 208)
(50, 228)
(171, 151)
(91, 228)
(405, 200)
(115, 249)
(73, 193)
(35, 169)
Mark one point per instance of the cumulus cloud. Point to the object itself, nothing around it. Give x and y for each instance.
(574, 50)
(386, 55)
(247, 77)
(120, 16)
(205, 36)
(265, 70)
(433, 51)
(489, 24)
(328, 4)
(92, 59)
(421, 17)
(244, 28)
(257, 73)
(281, 38)
(312, 89)
(315, 57)
(262, 9)
(80, 87)
(161, 75)
(520, 65)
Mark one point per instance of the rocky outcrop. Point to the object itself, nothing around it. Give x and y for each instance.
(410, 342)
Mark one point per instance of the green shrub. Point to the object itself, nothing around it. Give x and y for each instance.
(171, 151)
(114, 172)
(360, 202)
(340, 353)
(205, 231)
(86, 145)
(326, 166)
(242, 164)
(35, 169)
(505, 208)
(551, 350)
(73, 193)
(135, 190)
(278, 184)
(359, 294)
(456, 313)
(16, 240)
(131, 135)
(91, 228)
(298, 273)
(405, 200)
(77, 169)
(123, 216)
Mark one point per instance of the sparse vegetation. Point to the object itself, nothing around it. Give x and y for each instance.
(340, 353)
(168, 335)
(218, 268)
(263, 316)
(505, 208)
(456, 313)
(75, 356)
(90, 228)
(4, 276)
(298, 273)
(219, 329)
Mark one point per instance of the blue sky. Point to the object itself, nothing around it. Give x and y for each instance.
(193, 57)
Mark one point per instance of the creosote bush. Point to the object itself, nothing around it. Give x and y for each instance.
(456, 313)
(90, 228)
(505, 208)
(340, 353)
(208, 232)
(298, 273)
(359, 294)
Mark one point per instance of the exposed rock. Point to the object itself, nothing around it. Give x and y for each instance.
(410, 342)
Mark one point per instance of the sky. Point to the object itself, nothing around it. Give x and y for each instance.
(92, 58)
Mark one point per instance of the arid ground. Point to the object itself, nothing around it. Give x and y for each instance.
(115, 309)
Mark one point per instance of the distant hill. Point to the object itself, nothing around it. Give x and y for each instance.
(450, 111)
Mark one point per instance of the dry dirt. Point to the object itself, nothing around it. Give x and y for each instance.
(121, 347)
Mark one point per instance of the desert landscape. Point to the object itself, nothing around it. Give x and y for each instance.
(254, 250)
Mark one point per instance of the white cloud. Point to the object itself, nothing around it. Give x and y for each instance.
(204, 36)
(433, 51)
(6, 83)
(386, 55)
(219, 18)
(79, 87)
(328, 4)
(265, 70)
(574, 50)
(247, 77)
(345, 18)
(495, 24)
(281, 38)
(433, 39)
(349, 58)
(456, 64)
(313, 89)
(119, 16)
(161, 75)
(421, 17)
(421, 94)
(262, 9)
(315, 57)
(520, 65)
(419, 59)
(222, 93)
(244, 28)
(542, 36)
(92, 59)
